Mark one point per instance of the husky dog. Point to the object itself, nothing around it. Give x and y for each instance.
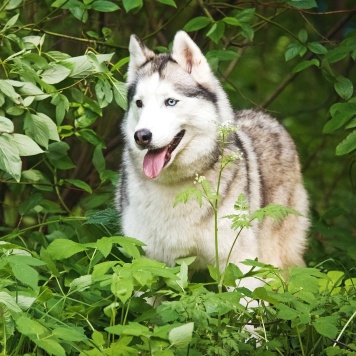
(175, 105)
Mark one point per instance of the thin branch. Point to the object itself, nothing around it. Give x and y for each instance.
(72, 38)
(292, 76)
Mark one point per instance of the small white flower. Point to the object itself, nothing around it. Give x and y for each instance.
(199, 179)
(227, 127)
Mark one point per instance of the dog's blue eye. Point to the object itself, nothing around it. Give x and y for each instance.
(171, 102)
(139, 103)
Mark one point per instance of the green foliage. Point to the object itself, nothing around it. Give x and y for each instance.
(69, 282)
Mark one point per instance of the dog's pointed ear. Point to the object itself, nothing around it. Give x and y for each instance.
(189, 56)
(139, 54)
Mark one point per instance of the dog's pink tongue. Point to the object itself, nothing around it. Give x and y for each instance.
(154, 162)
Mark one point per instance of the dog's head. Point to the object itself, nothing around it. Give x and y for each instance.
(174, 103)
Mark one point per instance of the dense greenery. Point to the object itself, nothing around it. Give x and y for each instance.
(69, 283)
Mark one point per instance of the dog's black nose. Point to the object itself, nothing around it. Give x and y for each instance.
(143, 137)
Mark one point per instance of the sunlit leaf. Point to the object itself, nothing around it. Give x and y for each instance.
(197, 24)
(181, 336)
(61, 249)
(10, 161)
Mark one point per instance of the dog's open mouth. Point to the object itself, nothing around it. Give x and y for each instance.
(155, 160)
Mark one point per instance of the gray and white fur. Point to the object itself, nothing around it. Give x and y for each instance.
(175, 104)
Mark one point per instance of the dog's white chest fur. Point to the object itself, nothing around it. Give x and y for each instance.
(186, 229)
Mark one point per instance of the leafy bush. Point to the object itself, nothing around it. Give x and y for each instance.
(70, 284)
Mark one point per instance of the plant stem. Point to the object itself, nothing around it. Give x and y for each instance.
(344, 328)
(216, 227)
(20, 232)
(300, 342)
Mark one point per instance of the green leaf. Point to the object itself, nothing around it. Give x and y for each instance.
(9, 91)
(337, 54)
(24, 259)
(62, 105)
(263, 294)
(104, 6)
(181, 336)
(168, 2)
(326, 326)
(344, 87)
(120, 92)
(183, 276)
(26, 146)
(98, 159)
(61, 249)
(13, 4)
(10, 161)
(83, 66)
(214, 273)
(92, 137)
(121, 287)
(129, 245)
(197, 24)
(341, 113)
(105, 217)
(37, 61)
(133, 329)
(120, 64)
(51, 346)
(59, 3)
(305, 64)
(302, 4)
(347, 108)
(6, 125)
(293, 50)
(303, 281)
(232, 21)
(338, 120)
(69, 334)
(216, 31)
(348, 145)
(303, 35)
(102, 268)
(131, 4)
(30, 203)
(336, 277)
(41, 128)
(10, 22)
(247, 31)
(32, 41)
(79, 184)
(81, 283)
(32, 92)
(35, 176)
(104, 245)
(17, 111)
(317, 48)
(231, 274)
(55, 74)
(286, 313)
(29, 326)
(37, 129)
(246, 15)
(9, 302)
(103, 92)
(25, 274)
(273, 211)
(185, 195)
(351, 124)
(58, 156)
